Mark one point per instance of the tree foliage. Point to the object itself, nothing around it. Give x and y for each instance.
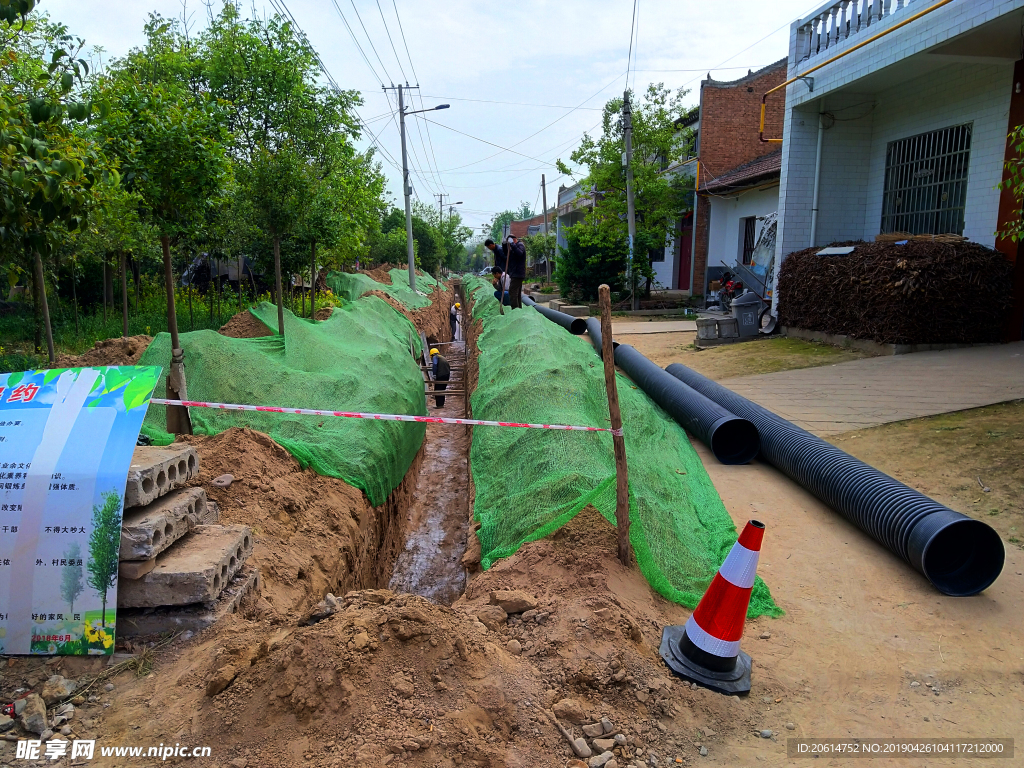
(499, 220)
(660, 196)
(71, 584)
(105, 546)
(1014, 182)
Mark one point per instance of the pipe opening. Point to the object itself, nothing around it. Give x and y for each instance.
(963, 557)
(735, 441)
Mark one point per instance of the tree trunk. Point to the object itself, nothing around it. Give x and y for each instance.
(312, 285)
(277, 283)
(36, 314)
(239, 283)
(106, 270)
(191, 287)
(124, 296)
(135, 279)
(74, 294)
(172, 315)
(103, 615)
(46, 310)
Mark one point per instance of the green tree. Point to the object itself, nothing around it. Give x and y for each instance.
(47, 169)
(71, 585)
(499, 220)
(589, 259)
(659, 197)
(105, 546)
(1014, 229)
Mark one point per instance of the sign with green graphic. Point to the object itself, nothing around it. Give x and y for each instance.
(66, 442)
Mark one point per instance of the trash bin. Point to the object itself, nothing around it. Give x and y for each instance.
(747, 311)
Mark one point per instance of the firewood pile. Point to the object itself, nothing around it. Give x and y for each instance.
(921, 292)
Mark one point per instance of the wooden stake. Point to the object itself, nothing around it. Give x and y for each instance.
(621, 475)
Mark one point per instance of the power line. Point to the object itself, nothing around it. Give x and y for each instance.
(504, 149)
(400, 67)
(491, 143)
(372, 46)
(632, 26)
(522, 103)
(356, 41)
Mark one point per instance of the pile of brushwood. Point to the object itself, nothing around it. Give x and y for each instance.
(916, 293)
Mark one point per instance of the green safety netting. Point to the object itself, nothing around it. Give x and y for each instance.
(530, 482)
(357, 360)
(351, 286)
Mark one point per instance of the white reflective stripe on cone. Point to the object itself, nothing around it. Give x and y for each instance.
(740, 567)
(725, 649)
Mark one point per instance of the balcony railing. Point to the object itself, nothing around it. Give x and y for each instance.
(840, 20)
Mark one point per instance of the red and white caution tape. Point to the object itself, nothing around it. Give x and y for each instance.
(378, 416)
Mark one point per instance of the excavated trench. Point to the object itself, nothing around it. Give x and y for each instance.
(437, 522)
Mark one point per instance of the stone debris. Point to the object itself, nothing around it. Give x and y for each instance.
(155, 471)
(148, 531)
(194, 570)
(492, 616)
(513, 600)
(223, 481)
(33, 716)
(57, 688)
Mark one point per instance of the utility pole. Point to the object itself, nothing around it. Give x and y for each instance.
(544, 196)
(627, 130)
(406, 184)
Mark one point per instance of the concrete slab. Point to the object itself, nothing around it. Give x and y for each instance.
(156, 471)
(147, 531)
(655, 326)
(136, 622)
(195, 570)
(879, 390)
(135, 569)
(575, 310)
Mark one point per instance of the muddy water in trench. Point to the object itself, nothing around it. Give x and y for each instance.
(438, 518)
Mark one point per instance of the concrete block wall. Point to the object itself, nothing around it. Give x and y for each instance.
(845, 151)
(724, 237)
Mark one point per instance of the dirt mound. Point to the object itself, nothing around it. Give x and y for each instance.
(433, 320)
(324, 312)
(314, 534)
(381, 274)
(244, 325)
(119, 351)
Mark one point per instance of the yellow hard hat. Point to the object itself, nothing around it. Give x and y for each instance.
(434, 351)
(457, 305)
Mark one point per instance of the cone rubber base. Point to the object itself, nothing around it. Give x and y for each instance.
(735, 681)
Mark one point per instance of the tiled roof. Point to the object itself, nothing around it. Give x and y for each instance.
(755, 172)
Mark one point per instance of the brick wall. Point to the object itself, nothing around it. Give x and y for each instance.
(520, 228)
(730, 116)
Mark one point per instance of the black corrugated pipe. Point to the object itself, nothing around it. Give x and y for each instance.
(733, 440)
(576, 325)
(960, 556)
(594, 332)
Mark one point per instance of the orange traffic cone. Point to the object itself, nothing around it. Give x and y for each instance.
(707, 649)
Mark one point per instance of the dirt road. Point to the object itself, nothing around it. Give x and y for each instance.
(867, 647)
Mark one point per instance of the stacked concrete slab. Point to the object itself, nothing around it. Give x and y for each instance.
(180, 569)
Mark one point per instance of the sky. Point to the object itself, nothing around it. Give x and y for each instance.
(552, 64)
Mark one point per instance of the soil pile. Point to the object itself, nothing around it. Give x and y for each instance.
(119, 351)
(558, 628)
(433, 320)
(382, 273)
(314, 534)
(921, 292)
(244, 325)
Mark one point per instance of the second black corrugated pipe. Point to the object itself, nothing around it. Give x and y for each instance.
(732, 439)
(576, 325)
(959, 555)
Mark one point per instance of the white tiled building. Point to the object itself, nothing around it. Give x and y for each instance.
(913, 125)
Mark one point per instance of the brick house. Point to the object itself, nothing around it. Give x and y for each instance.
(905, 134)
(739, 176)
(525, 227)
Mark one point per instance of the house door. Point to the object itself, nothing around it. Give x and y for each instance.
(685, 252)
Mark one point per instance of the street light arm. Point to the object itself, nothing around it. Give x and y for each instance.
(432, 109)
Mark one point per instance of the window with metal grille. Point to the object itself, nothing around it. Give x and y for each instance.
(926, 182)
(748, 235)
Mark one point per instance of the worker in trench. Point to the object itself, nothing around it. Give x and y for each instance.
(442, 375)
(453, 319)
(511, 257)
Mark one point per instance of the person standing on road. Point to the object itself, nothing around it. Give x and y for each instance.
(512, 254)
(442, 374)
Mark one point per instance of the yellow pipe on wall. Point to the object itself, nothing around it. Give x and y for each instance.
(838, 56)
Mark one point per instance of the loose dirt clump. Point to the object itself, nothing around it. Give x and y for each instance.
(314, 534)
(324, 313)
(381, 274)
(119, 351)
(244, 325)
